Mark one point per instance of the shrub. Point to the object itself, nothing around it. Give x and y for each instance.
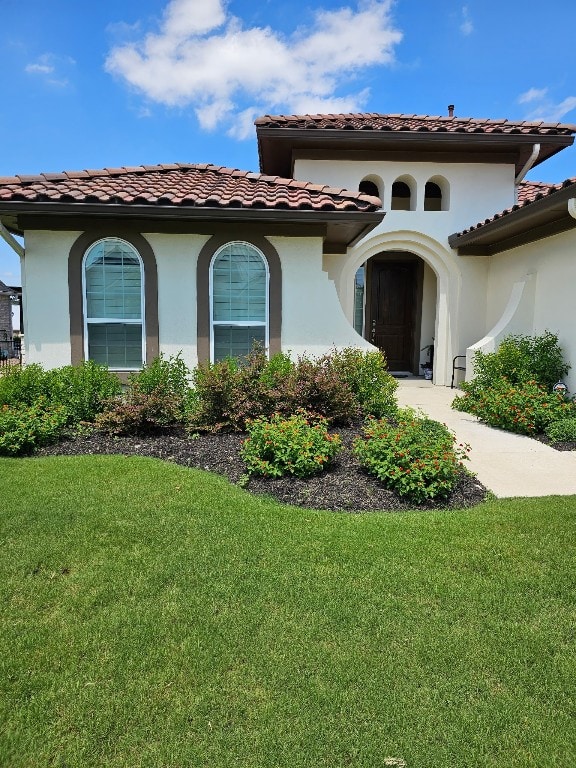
(562, 429)
(366, 373)
(163, 377)
(139, 414)
(23, 385)
(299, 445)
(24, 428)
(320, 389)
(81, 389)
(519, 359)
(416, 457)
(525, 408)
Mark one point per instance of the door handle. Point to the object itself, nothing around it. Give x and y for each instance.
(373, 332)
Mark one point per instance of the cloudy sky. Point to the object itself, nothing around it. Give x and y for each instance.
(130, 82)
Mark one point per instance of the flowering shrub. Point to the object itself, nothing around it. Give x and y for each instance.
(24, 428)
(415, 457)
(525, 408)
(366, 373)
(299, 445)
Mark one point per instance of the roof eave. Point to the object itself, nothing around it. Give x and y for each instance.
(534, 221)
(342, 228)
(286, 140)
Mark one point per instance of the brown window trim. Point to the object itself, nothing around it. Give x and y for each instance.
(77, 252)
(203, 290)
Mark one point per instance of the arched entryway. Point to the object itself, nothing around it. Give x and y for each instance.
(395, 308)
(440, 290)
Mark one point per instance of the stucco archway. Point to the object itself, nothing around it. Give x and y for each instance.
(448, 278)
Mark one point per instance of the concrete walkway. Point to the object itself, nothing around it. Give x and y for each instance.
(507, 464)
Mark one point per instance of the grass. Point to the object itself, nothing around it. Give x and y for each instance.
(157, 616)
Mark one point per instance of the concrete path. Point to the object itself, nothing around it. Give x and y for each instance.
(507, 464)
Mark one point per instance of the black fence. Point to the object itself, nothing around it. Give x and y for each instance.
(10, 353)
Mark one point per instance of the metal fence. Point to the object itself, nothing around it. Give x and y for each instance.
(10, 353)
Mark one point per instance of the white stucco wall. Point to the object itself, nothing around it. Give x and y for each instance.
(45, 297)
(176, 261)
(551, 265)
(313, 321)
(475, 191)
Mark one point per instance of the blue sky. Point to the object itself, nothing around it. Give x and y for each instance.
(131, 82)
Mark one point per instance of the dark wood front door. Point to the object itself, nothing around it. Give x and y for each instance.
(393, 304)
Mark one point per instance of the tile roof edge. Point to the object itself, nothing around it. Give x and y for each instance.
(551, 190)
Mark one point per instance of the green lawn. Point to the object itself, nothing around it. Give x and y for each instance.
(156, 616)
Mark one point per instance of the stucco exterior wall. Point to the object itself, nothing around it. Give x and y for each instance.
(313, 321)
(551, 265)
(45, 297)
(176, 261)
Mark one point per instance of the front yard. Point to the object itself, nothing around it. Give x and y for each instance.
(157, 616)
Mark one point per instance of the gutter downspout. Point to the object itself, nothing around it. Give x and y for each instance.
(572, 207)
(527, 165)
(11, 240)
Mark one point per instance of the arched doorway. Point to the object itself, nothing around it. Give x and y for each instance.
(395, 308)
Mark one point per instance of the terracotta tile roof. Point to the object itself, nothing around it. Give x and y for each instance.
(528, 193)
(399, 122)
(183, 185)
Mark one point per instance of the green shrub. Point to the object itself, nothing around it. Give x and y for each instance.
(23, 385)
(366, 373)
(415, 457)
(23, 428)
(562, 429)
(519, 359)
(299, 445)
(164, 378)
(81, 389)
(525, 408)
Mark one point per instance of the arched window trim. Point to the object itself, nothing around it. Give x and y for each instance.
(101, 320)
(239, 323)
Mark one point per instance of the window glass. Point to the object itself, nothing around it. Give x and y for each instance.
(359, 301)
(113, 304)
(239, 282)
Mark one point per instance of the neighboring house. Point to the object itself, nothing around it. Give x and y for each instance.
(5, 316)
(361, 230)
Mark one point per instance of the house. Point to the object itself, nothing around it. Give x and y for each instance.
(394, 231)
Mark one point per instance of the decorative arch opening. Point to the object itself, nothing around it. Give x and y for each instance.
(436, 194)
(372, 185)
(404, 194)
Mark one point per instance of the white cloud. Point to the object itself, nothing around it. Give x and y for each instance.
(466, 27)
(545, 108)
(533, 94)
(204, 57)
(49, 66)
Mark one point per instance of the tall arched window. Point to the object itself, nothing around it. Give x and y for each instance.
(113, 297)
(238, 301)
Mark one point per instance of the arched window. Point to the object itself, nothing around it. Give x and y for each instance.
(432, 197)
(238, 300)
(113, 304)
(401, 196)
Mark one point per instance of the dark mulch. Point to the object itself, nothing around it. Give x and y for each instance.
(562, 445)
(343, 487)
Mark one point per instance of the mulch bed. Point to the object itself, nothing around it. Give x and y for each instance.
(344, 487)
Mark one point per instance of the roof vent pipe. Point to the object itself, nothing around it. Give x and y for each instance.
(450, 110)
